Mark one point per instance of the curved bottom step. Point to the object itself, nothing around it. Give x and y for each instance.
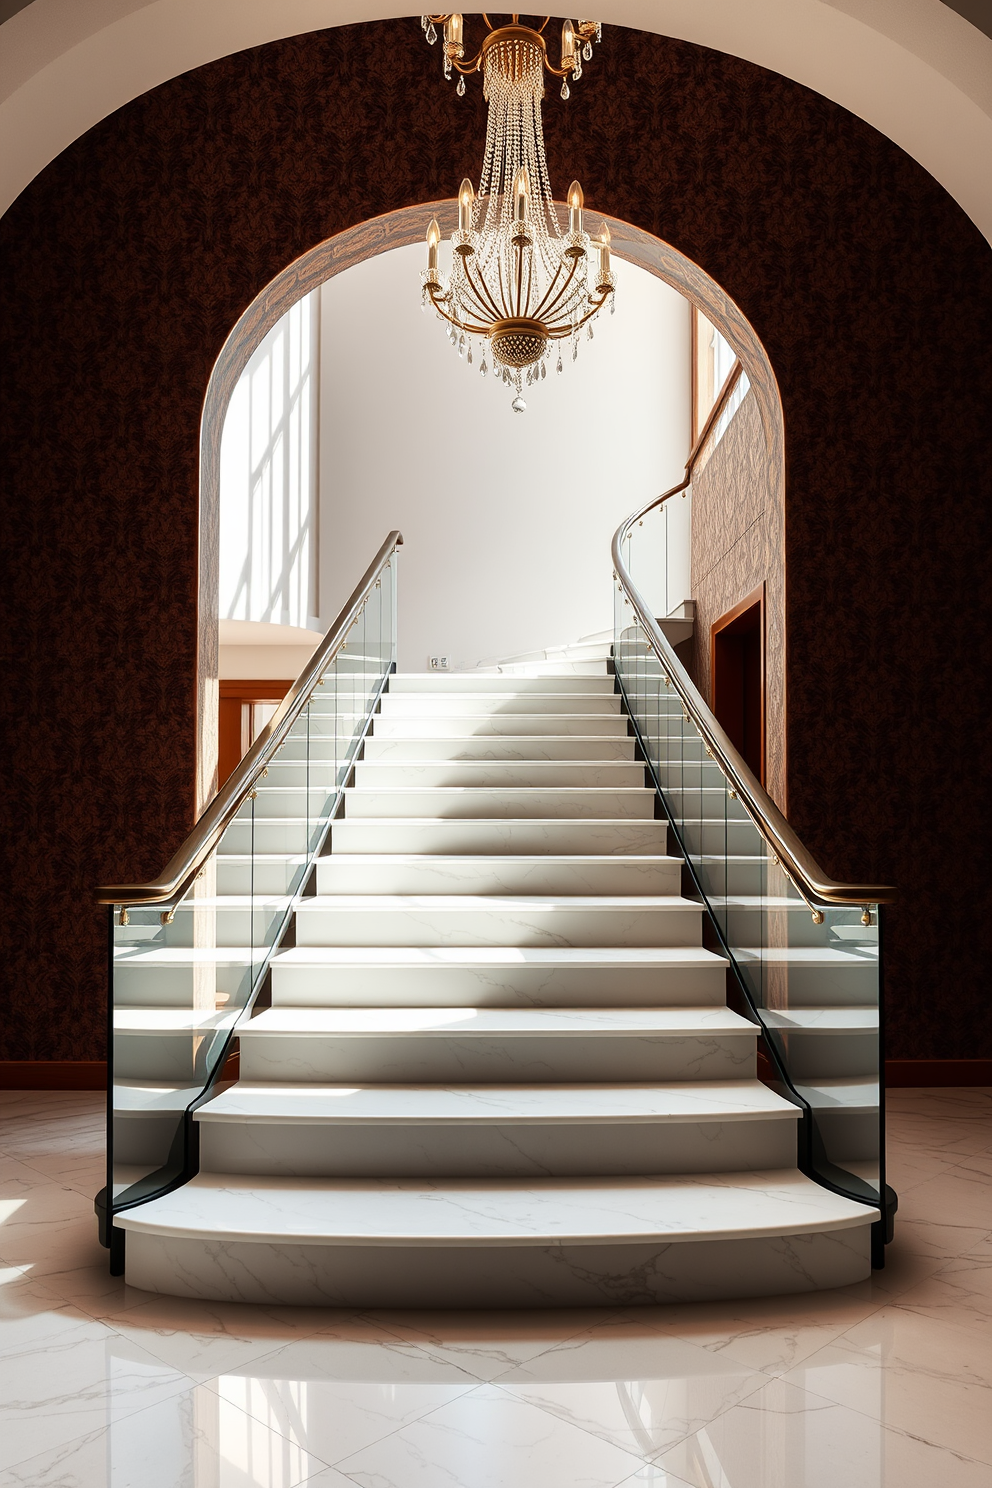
(465, 1243)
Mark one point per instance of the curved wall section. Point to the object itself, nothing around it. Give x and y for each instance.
(131, 257)
(916, 71)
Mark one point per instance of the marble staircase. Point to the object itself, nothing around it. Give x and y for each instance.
(498, 1068)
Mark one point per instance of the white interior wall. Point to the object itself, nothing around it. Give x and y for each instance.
(507, 517)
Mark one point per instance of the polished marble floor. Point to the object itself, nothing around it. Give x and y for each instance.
(883, 1385)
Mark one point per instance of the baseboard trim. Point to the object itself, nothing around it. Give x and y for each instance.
(91, 1074)
(72, 1074)
(53, 1074)
(919, 1073)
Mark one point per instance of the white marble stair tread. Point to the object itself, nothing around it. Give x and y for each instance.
(577, 720)
(498, 685)
(137, 1098)
(481, 873)
(693, 1101)
(621, 830)
(495, 958)
(819, 957)
(170, 1020)
(761, 902)
(502, 802)
(475, 903)
(844, 1095)
(372, 774)
(830, 1020)
(148, 953)
(503, 747)
(198, 902)
(514, 699)
(466, 1022)
(296, 859)
(222, 1207)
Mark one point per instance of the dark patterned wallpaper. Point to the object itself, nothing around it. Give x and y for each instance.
(738, 544)
(129, 258)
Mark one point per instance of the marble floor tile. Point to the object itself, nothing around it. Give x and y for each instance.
(959, 1195)
(68, 1378)
(960, 1293)
(772, 1334)
(488, 1439)
(918, 1375)
(362, 1351)
(485, 1344)
(907, 1166)
(193, 1440)
(640, 1393)
(329, 1478)
(333, 1418)
(205, 1339)
(786, 1437)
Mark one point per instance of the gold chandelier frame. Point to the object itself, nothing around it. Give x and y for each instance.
(582, 33)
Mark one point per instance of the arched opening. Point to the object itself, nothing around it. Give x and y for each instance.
(404, 227)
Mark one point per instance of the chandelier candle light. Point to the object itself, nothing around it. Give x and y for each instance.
(518, 281)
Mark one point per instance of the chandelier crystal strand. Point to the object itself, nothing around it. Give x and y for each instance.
(516, 279)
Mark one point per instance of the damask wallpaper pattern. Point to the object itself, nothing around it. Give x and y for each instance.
(738, 544)
(128, 260)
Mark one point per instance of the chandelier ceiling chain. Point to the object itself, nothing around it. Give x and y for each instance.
(518, 281)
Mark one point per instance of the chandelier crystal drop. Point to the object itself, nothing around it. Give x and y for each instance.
(518, 280)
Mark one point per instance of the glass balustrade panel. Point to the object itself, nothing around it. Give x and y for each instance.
(184, 974)
(808, 972)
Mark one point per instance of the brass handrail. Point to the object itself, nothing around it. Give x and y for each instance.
(799, 864)
(185, 864)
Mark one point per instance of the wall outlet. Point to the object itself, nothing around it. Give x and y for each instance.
(437, 663)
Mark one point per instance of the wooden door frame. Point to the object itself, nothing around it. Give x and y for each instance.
(754, 600)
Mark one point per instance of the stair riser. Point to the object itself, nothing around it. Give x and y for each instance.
(721, 877)
(755, 927)
(270, 835)
(498, 838)
(821, 986)
(709, 803)
(737, 837)
(849, 1137)
(409, 705)
(227, 927)
(157, 1056)
(174, 986)
(258, 878)
(298, 774)
(371, 875)
(491, 1150)
(476, 805)
(428, 926)
(512, 986)
(274, 801)
(839, 1055)
(143, 1141)
(316, 747)
(547, 1274)
(490, 682)
(564, 747)
(392, 726)
(530, 774)
(494, 1059)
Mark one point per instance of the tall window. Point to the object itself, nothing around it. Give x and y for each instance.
(712, 358)
(268, 478)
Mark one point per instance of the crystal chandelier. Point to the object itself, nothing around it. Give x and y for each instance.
(518, 282)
